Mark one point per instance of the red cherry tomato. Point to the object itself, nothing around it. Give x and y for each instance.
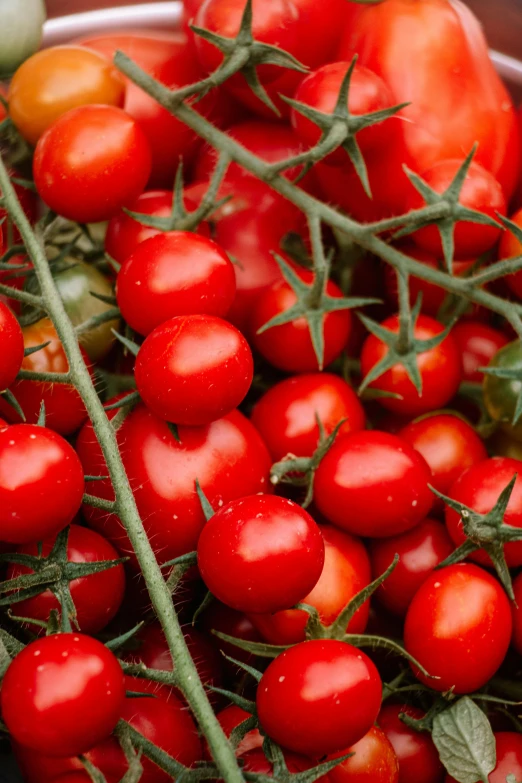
(320, 90)
(417, 756)
(41, 483)
(91, 162)
(286, 415)
(479, 488)
(62, 694)
(228, 458)
(229, 719)
(509, 758)
(420, 550)
(458, 626)
(124, 234)
(345, 573)
(373, 484)
(440, 369)
(289, 346)
(11, 346)
(175, 274)
(516, 610)
(373, 761)
(64, 408)
(451, 107)
(194, 369)
(309, 33)
(478, 344)
(448, 444)
(260, 554)
(319, 697)
(96, 597)
(480, 192)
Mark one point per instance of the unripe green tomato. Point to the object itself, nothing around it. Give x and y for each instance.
(75, 282)
(21, 28)
(501, 394)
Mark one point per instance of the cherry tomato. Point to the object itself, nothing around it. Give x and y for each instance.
(91, 162)
(286, 415)
(41, 483)
(260, 554)
(509, 758)
(417, 756)
(458, 626)
(345, 573)
(124, 234)
(501, 394)
(479, 488)
(167, 57)
(289, 346)
(516, 610)
(96, 597)
(420, 550)
(374, 761)
(448, 444)
(62, 694)
(440, 369)
(178, 274)
(451, 107)
(55, 80)
(194, 369)
(307, 32)
(509, 248)
(229, 719)
(319, 697)
(320, 90)
(228, 458)
(478, 345)
(373, 484)
(480, 192)
(64, 408)
(11, 346)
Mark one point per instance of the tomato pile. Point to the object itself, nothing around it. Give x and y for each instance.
(261, 399)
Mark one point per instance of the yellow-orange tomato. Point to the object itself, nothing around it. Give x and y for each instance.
(509, 248)
(55, 80)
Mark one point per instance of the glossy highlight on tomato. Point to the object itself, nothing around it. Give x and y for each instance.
(373, 761)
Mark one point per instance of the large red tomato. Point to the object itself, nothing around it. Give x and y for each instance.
(228, 458)
(458, 626)
(455, 96)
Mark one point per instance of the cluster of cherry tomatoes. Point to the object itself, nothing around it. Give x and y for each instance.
(281, 491)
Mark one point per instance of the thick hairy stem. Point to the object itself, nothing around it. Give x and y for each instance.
(125, 503)
(363, 235)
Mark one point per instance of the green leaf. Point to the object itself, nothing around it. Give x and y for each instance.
(465, 741)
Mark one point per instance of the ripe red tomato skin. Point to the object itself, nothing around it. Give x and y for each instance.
(516, 611)
(94, 690)
(478, 344)
(480, 192)
(374, 761)
(260, 553)
(508, 248)
(219, 617)
(458, 626)
(479, 488)
(112, 173)
(289, 347)
(194, 369)
(346, 572)
(286, 414)
(96, 598)
(41, 483)
(11, 346)
(448, 444)
(420, 550)
(178, 274)
(509, 758)
(320, 90)
(440, 370)
(124, 234)
(228, 458)
(334, 676)
(229, 718)
(417, 756)
(358, 476)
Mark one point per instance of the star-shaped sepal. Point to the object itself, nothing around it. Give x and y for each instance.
(486, 531)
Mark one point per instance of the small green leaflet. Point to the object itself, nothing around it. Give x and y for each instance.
(465, 741)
